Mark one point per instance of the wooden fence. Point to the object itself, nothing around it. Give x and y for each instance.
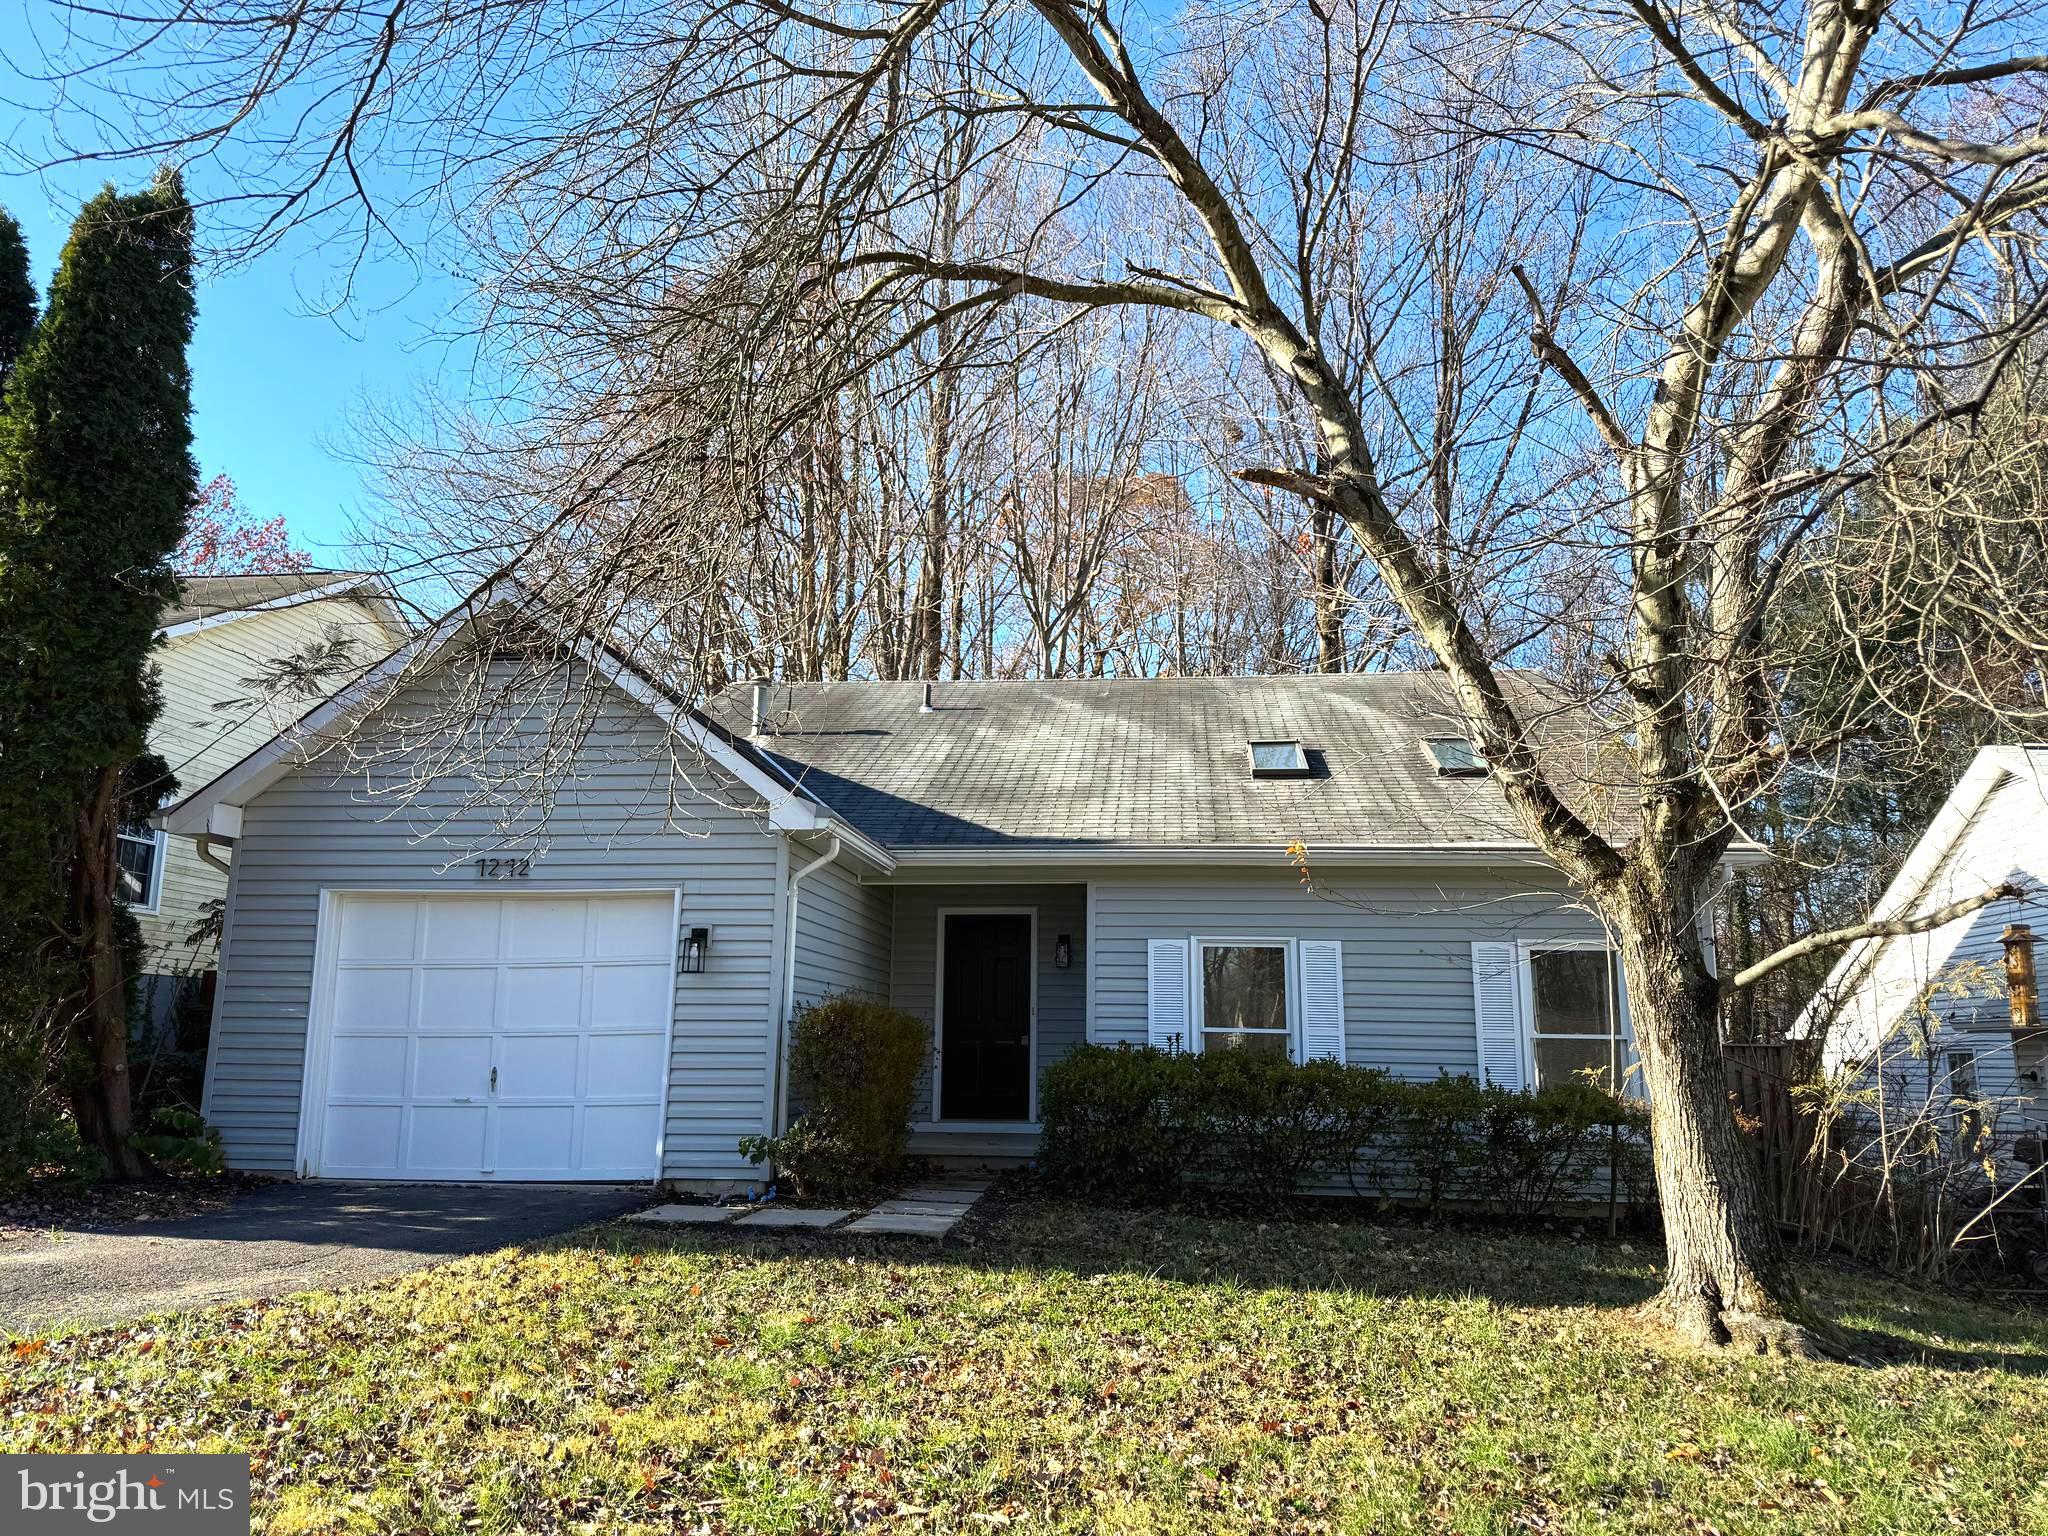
(1761, 1079)
(1824, 1185)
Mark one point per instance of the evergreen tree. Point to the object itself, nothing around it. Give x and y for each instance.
(17, 295)
(96, 478)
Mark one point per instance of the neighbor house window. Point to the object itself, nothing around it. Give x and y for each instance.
(1244, 998)
(1456, 758)
(1572, 1025)
(139, 851)
(1962, 1097)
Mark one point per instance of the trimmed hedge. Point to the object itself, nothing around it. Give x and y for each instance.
(1136, 1120)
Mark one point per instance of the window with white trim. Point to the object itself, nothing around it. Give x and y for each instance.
(1573, 1031)
(1243, 989)
(139, 855)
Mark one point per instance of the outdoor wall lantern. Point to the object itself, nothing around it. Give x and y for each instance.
(1062, 952)
(694, 948)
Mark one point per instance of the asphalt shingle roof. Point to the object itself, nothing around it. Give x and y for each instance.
(1151, 762)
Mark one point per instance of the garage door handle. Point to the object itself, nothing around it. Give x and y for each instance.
(494, 1079)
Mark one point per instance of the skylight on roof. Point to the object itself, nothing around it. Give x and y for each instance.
(1456, 758)
(1278, 760)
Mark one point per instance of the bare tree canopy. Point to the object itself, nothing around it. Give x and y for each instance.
(1600, 334)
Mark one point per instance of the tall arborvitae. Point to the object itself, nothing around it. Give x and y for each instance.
(17, 295)
(96, 477)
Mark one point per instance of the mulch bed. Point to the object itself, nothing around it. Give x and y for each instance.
(168, 1197)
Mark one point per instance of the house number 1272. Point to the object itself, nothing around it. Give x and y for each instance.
(503, 869)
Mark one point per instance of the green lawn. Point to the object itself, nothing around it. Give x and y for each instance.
(1072, 1370)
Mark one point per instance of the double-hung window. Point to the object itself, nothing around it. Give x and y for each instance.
(139, 853)
(1573, 1030)
(1244, 996)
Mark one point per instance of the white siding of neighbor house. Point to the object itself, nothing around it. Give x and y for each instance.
(214, 716)
(614, 828)
(1958, 967)
(843, 932)
(1062, 995)
(1407, 938)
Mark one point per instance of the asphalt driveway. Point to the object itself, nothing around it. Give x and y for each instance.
(279, 1239)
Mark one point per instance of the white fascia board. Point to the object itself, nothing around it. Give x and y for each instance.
(290, 600)
(1222, 853)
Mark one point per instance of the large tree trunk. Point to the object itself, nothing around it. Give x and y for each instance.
(100, 1023)
(1728, 1277)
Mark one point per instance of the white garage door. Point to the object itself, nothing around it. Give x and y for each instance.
(518, 1037)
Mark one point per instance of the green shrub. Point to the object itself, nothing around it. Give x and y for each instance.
(179, 1138)
(1115, 1118)
(1274, 1124)
(1434, 1141)
(1139, 1119)
(853, 1064)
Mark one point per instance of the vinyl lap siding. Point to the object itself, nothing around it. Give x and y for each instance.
(1407, 940)
(1959, 966)
(843, 931)
(611, 829)
(203, 670)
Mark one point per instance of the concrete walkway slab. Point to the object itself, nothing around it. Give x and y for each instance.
(910, 1223)
(792, 1216)
(930, 1210)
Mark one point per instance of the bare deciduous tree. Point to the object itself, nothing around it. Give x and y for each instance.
(1585, 323)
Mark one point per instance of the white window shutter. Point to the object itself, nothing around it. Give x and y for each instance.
(1499, 1019)
(1166, 995)
(1322, 999)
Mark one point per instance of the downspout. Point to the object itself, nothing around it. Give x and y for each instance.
(203, 842)
(775, 1110)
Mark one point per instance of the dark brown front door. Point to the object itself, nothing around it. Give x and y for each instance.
(985, 1039)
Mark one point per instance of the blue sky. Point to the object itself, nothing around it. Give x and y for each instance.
(274, 378)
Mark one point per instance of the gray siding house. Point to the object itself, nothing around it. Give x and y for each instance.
(418, 984)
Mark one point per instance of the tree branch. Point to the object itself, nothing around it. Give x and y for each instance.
(1882, 928)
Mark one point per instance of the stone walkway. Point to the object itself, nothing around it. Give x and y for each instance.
(930, 1210)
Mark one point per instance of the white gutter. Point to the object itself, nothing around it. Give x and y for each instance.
(775, 1110)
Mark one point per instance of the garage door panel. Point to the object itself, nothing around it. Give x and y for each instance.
(641, 930)
(617, 1135)
(628, 994)
(537, 1067)
(452, 1067)
(373, 998)
(498, 1037)
(458, 998)
(546, 928)
(368, 1066)
(377, 930)
(362, 1138)
(536, 1139)
(622, 1065)
(462, 930)
(447, 1139)
(544, 997)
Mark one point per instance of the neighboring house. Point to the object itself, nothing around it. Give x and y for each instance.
(1934, 1008)
(1026, 866)
(220, 646)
